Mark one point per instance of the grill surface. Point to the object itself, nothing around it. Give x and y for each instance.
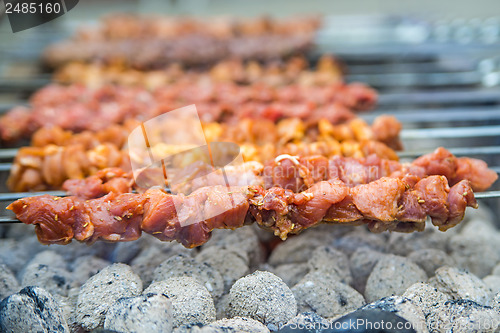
(445, 94)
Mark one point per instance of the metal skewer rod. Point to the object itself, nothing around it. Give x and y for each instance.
(448, 132)
(19, 195)
(460, 151)
(487, 195)
(8, 153)
(5, 166)
(9, 219)
(432, 116)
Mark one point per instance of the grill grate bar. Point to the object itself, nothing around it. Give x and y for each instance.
(418, 79)
(19, 195)
(10, 85)
(442, 65)
(5, 107)
(443, 97)
(5, 167)
(439, 115)
(9, 219)
(461, 151)
(9, 153)
(450, 132)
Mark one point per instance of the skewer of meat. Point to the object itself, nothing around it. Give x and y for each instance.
(384, 204)
(294, 71)
(152, 42)
(42, 168)
(57, 155)
(300, 173)
(195, 50)
(131, 26)
(75, 107)
(384, 129)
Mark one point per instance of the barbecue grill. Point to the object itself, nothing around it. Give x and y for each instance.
(441, 80)
(444, 88)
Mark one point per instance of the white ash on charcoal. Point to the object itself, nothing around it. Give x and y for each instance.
(361, 238)
(18, 231)
(430, 301)
(392, 275)
(496, 302)
(475, 246)
(431, 259)
(294, 250)
(53, 279)
(75, 250)
(102, 290)
(222, 307)
(321, 293)
(328, 260)
(299, 249)
(152, 256)
(230, 264)
(191, 301)
(182, 265)
(8, 282)
(46, 264)
(403, 244)
(146, 313)
(240, 240)
(476, 252)
(464, 316)
(461, 284)
(188, 328)
(361, 263)
(68, 305)
(14, 255)
(124, 252)
(496, 270)
(483, 214)
(404, 308)
(264, 236)
(291, 274)
(478, 225)
(312, 267)
(48, 258)
(85, 267)
(33, 309)
(262, 296)
(492, 282)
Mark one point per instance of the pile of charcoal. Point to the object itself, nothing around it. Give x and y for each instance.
(328, 278)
